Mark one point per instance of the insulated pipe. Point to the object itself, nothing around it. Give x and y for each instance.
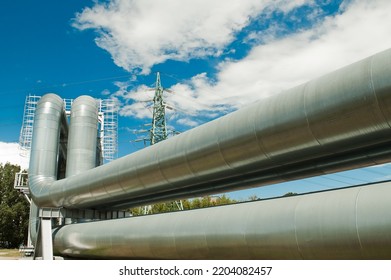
(49, 118)
(351, 223)
(46, 134)
(337, 116)
(82, 138)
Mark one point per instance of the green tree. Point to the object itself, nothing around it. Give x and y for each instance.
(223, 200)
(195, 203)
(188, 204)
(253, 198)
(290, 194)
(207, 201)
(162, 207)
(14, 209)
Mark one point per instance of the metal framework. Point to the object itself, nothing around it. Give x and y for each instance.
(108, 116)
(68, 105)
(159, 129)
(21, 184)
(26, 132)
(108, 121)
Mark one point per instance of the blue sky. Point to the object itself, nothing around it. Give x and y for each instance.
(214, 56)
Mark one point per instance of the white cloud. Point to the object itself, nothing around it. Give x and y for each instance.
(362, 29)
(142, 33)
(134, 103)
(9, 152)
(145, 33)
(183, 102)
(188, 122)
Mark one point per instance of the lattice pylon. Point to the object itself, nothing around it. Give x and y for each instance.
(159, 130)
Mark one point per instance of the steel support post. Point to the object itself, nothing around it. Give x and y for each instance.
(46, 239)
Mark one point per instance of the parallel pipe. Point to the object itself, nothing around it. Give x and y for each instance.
(48, 121)
(351, 223)
(329, 121)
(82, 139)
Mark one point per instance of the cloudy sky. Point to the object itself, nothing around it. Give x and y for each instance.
(214, 56)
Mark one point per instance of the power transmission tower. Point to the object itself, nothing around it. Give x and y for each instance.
(159, 130)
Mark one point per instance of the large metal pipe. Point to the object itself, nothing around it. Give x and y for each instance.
(351, 223)
(328, 121)
(82, 138)
(49, 118)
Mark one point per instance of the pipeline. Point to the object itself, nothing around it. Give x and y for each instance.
(351, 223)
(337, 122)
(49, 119)
(81, 138)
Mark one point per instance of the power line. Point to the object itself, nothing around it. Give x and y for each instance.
(67, 84)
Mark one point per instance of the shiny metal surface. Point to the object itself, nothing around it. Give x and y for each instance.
(82, 138)
(339, 121)
(350, 223)
(336, 122)
(49, 119)
(83, 134)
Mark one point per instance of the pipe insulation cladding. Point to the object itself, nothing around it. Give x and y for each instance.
(351, 223)
(83, 134)
(337, 122)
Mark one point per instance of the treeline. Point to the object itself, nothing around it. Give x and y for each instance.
(14, 209)
(186, 204)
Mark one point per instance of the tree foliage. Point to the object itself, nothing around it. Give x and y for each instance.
(188, 204)
(290, 194)
(14, 209)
